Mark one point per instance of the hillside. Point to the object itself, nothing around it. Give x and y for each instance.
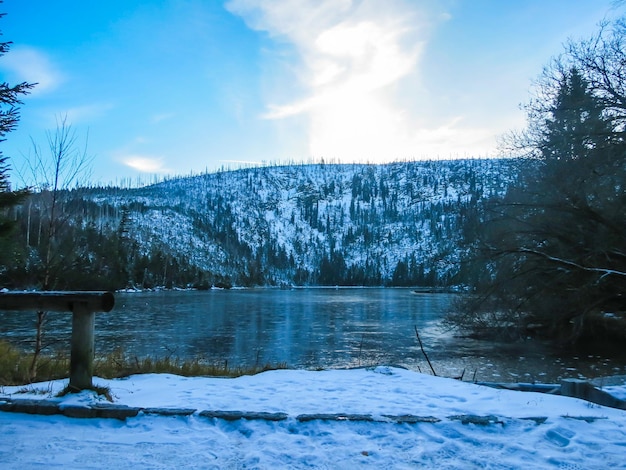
(323, 224)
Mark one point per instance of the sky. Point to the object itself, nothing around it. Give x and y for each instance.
(153, 88)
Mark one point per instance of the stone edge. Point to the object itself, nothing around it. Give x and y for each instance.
(122, 412)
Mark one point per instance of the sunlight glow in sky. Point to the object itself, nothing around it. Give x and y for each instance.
(349, 62)
(179, 86)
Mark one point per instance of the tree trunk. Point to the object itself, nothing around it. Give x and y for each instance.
(41, 319)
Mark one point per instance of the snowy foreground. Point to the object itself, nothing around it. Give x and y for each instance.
(569, 438)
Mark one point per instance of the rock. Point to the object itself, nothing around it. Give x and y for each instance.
(334, 417)
(169, 411)
(121, 412)
(73, 411)
(249, 415)
(474, 419)
(411, 419)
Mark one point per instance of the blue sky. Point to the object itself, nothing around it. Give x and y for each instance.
(171, 87)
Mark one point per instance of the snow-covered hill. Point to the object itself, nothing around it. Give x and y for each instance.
(400, 223)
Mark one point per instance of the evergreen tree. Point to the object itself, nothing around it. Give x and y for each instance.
(575, 127)
(554, 252)
(9, 117)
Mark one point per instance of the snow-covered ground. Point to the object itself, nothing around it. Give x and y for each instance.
(575, 434)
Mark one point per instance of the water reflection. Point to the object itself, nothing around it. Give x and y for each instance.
(310, 328)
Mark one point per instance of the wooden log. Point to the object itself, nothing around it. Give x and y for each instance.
(55, 301)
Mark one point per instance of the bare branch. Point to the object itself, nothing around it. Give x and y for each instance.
(605, 271)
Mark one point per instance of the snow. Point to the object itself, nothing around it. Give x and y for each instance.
(563, 440)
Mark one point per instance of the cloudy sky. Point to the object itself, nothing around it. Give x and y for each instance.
(159, 87)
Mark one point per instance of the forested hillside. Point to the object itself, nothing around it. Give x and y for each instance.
(323, 224)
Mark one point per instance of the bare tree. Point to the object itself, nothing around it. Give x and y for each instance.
(62, 166)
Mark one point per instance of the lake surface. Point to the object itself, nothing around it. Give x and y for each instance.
(311, 328)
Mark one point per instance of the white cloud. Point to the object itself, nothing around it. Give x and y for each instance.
(353, 54)
(145, 164)
(31, 65)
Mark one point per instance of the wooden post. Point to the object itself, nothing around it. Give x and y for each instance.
(82, 352)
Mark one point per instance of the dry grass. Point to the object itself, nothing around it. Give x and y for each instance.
(117, 364)
(14, 366)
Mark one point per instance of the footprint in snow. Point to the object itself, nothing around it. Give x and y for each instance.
(560, 436)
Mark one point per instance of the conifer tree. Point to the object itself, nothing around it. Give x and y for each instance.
(9, 116)
(554, 252)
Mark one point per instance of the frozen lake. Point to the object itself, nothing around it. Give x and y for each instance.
(311, 328)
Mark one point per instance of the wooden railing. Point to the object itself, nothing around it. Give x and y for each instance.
(83, 306)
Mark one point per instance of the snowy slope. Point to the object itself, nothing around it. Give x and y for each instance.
(312, 224)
